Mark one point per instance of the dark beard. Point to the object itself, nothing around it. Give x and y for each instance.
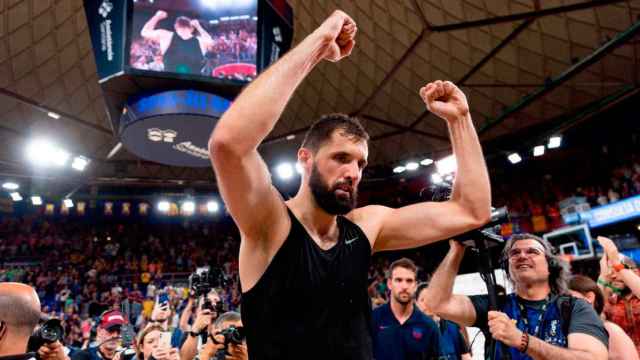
(326, 197)
(403, 302)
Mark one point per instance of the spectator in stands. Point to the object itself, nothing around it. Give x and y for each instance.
(215, 341)
(620, 344)
(400, 330)
(538, 321)
(19, 315)
(108, 338)
(620, 282)
(202, 324)
(453, 338)
(149, 346)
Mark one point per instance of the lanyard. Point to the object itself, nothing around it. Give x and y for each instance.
(525, 319)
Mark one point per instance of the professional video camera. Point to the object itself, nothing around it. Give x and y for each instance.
(49, 332)
(232, 335)
(202, 281)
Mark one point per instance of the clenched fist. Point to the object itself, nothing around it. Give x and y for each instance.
(504, 329)
(445, 99)
(338, 36)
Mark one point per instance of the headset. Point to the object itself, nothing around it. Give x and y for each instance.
(554, 265)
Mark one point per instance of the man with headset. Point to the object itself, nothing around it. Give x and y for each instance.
(539, 321)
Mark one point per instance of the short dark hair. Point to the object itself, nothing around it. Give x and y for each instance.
(321, 130)
(183, 21)
(403, 263)
(583, 285)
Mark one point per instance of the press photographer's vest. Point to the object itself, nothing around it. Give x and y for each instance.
(548, 323)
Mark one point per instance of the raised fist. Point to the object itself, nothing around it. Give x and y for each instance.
(445, 100)
(338, 36)
(161, 14)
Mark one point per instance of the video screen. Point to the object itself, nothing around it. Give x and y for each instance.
(209, 38)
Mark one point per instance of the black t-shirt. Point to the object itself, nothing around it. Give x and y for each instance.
(583, 318)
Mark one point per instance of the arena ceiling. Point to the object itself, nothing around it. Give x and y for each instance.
(521, 63)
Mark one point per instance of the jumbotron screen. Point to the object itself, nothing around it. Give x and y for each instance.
(198, 38)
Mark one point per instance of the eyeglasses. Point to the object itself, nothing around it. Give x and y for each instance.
(528, 252)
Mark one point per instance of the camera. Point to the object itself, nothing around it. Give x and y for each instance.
(232, 335)
(204, 279)
(49, 332)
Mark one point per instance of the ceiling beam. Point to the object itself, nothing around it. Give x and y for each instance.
(553, 83)
(524, 15)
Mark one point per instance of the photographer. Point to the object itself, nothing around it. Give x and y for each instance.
(229, 345)
(205, 316)
(162, 315)
(108, 338)
(539, 321)
(19, 315)
(150, 345)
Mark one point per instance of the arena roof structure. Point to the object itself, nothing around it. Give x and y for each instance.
(521, 63)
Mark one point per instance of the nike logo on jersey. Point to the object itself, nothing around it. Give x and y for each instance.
(348, 242)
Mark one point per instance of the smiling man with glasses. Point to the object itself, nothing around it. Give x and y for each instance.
(538, 321)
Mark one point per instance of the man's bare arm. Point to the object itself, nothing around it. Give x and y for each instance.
(581, 347)
(456, 308)
(243, 178)
(470, 203)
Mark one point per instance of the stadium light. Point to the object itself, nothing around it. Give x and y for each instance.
(299, 168)
(188, 207)
(285, 171)
(447, 165)
(554, 142)
(436, 178)
(163, 206)
(426, 162)
(411, 166)
(68, 203)
(10, 186)
(399, 169)
(36, 200)
(80, 163)
(213, 206)
(538, 150)
(53, 115)
(514, 158)
(15, 196)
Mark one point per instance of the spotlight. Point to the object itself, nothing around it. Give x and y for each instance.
(213, 206)
(39, 151)
(399, 169)
(10, 186)
(538, 150)
(426, 162)
(554, 142)
(36, 200)
(53, 115)
(60, 157)
(411, 166)
(80, 163)
(163, 206)
(447, 165)
(188, 207)
(285, 171)
(15, 196)
(514, 158)
(299, 169)
(436, 178)
(68, 203)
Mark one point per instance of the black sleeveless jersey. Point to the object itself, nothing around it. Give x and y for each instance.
(312, 303)
(183, 56)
